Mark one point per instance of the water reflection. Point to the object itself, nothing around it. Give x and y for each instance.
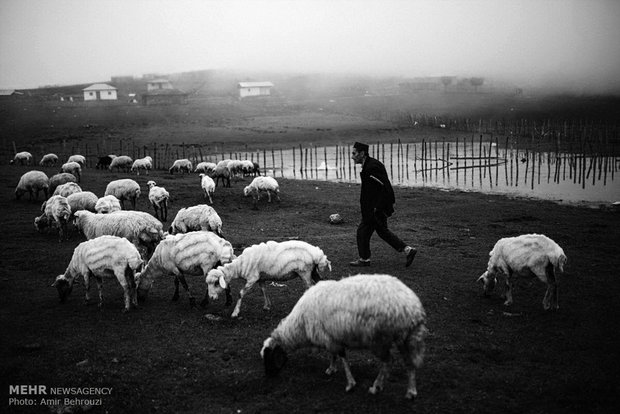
(588, 178)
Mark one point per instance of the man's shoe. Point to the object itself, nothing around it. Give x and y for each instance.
(410, 256)
(359, 263)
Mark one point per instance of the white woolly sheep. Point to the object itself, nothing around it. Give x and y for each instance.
(102, 257)
(522, 256)
(266, 262)
(198, 217)
(235, 167)
(122, 162)
(158, 196)
(107, 204)
(124, 189)
(72, 168)
(32, 182)
(23, 158)
(221, 172)
(181, 255)
(145, 164)
(80, 159)
(59, 179)
(184, 166)
(56, 211)
(49, 160)
(84, 200)
(67, 189)
(371, 312)
(260, 185)
(247, 167)
(140, 228)
(208, 186)
(205, 167)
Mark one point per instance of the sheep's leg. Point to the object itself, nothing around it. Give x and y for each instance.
(244, 291)
(332, 365)
(165, 211)
(508, 292)
(133, 203)
(87, 287)
(228, 296)
(384, 354)
(550, 300)
(100, 289)
(192, 300)
(132, 291)
(268, 196)
(347, 370)
(267, 305)
(175, 297)
(412, 351)
(210, 199)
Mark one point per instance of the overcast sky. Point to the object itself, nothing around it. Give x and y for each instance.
(574, 42)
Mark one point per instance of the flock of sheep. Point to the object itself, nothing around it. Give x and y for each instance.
(364, 311)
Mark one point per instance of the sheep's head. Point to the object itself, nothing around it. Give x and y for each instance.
(19, 193)
(143, 285)
(247, 191)
(150, 184)
(41, 223)
(215, 283)
(488, 281)
(64, 287)
(274, 357)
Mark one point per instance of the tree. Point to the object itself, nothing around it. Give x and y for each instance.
(446, 80)
(475, 82)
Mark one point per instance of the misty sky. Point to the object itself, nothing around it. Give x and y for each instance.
(567, 42)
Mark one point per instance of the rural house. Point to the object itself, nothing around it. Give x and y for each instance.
(164, 97)
(157, 84)
(100, 92)
(247, 89)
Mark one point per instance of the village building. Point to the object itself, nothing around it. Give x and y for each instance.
(158, 84)
(100, 92)
(164, 97)
(247, 89)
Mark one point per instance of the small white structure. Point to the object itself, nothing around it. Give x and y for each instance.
(157, 84)
(247, 89)
(100, 92)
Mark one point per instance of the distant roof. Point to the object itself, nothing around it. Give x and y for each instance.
(100, 87)
(7, 92)
(255, 84)
(159, 81)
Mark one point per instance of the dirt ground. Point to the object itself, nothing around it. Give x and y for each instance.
(167, 358)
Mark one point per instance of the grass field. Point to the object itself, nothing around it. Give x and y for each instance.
(481, 357)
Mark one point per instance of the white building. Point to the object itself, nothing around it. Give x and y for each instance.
(100, 92)
(157, 84)
(254, 89)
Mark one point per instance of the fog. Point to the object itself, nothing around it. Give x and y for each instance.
(568, 44)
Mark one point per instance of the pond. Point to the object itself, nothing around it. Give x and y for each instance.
(562, 177)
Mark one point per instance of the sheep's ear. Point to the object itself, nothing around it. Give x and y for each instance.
(223, 283)
(482, 277)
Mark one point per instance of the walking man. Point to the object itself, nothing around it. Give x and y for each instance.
(377, 204)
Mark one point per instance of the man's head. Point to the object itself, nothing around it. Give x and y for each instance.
(360, 152)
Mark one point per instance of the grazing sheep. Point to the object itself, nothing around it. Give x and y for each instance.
(124, 189)
(56, 211)
(84, 200)
(122, 162)
(181, 255)
(256, 169)
(235, 167)
(205, 167)
(199, 217)
(49, 160)
(145, 164)
(158, 196)
(107, 204)
(80, 159)
(184, 166)
(140, 228)
(522, 256)
(23, 158)
(72, 168)
(371, 312)
(61, 178)
(32, 182)
(266, 262)
(208, 186)
(67, 189)
(102, 257)
(260, 185)
(104, 162)
(247, 167)
(221, 172)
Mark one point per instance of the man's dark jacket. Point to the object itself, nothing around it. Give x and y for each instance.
(377, 193)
